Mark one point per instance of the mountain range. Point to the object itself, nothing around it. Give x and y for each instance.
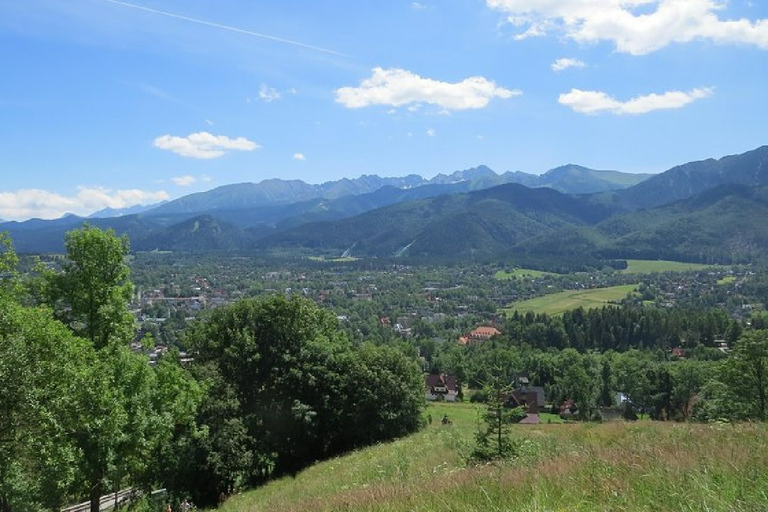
(711, 210)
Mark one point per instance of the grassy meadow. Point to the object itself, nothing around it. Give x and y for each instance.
(520, 273)
(556, 303)
(641, 466)
(651, 266)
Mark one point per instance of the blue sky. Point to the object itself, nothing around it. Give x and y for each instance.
(111, 103)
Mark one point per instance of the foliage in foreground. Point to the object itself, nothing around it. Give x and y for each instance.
(287, 388)
(573, 467)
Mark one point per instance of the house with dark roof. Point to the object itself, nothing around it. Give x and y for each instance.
(441, 387)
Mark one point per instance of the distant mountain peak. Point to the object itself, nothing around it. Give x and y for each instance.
(473, 173)
(119, 212)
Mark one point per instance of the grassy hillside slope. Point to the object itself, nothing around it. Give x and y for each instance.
(572, 467)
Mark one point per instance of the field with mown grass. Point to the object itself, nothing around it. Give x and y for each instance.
(557, 303)
(521, 273)
(641, 466)
(651, 266)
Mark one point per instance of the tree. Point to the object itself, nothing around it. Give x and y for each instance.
(41, 370)
(495, 440)
(579, 379)
(122, 417)
(93, 291)
(745, 374)
(606, 398)
(9, 282)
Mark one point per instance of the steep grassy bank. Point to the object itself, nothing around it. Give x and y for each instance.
(572, 467)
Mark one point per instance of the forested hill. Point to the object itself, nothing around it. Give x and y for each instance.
(687, 180)
(482, 223)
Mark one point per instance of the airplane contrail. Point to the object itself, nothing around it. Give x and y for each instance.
(228, 27)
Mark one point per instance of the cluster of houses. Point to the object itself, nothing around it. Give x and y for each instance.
(720, 345)
(443, 387)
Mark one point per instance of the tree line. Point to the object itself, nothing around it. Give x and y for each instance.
(701, 384)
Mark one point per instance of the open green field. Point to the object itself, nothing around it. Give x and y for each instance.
(639, 466)
(651, 266)
(520, 272)
(556, 303)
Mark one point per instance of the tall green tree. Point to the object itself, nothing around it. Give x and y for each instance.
(578, 378)
(494, 439)
(93, 291)
(42, 367)
(745, 374)
(121, 421)
(9, 282)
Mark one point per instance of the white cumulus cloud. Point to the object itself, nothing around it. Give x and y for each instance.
(299, 156)
(204, 145)
(431, 132)
(398, 87)
(634, 26)
(597, 102)
(561, 64)
(37, 203)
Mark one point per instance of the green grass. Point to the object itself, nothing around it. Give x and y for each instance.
(726, 280)
(651, 266)
(556, 303)
(521, 272)
(642, 466)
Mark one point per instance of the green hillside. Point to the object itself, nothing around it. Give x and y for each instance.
(725, 224)
(573, 467)
(477, 224)
(692, 178)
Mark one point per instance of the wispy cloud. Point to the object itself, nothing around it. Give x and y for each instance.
(300, 157)
(204, 145)
(228, 28)
(184, 181)
(431, 132)
(37, 203)
(597, 102)
(561, 64)
(398, 87)
(158, 93)
(635, 26)
(269, 94)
